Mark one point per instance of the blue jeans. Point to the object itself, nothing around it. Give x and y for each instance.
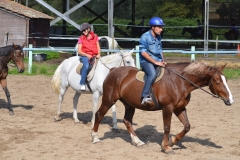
(85, 67)
(150, 71)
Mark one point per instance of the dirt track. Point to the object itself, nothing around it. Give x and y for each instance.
(32, 134)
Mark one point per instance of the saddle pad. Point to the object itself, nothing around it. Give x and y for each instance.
(140, 76)
(79, 67)
(91, 73)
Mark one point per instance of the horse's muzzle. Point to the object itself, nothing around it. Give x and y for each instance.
(228, 103)
(21, 70)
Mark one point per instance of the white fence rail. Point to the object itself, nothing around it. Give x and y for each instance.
(191, 51)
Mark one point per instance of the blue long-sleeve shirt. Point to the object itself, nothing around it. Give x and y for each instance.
(150, 45)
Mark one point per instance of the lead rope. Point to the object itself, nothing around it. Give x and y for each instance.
(198, 87)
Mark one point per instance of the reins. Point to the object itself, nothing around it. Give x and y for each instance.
(198, 87)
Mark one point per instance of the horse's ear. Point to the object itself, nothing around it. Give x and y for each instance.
(14, 46)
(131, 51)
(222, 67)
(24, 44)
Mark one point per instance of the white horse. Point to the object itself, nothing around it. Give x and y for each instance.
(66, 75)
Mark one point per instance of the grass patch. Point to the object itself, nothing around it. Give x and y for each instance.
(37, 69)
(232, 73)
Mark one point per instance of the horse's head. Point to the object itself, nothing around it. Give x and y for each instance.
(218, 85)
(17, 56)
(127, 59)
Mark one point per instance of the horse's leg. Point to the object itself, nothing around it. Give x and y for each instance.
(108, 100)
(4, 87)
(95, 98)
(60, 99)
(167, 116)
(114, 116)
(98, 118)
(75, 103)
(182, 116)
(129, 112)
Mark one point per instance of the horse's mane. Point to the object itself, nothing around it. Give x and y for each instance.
(110, 58)
(197, 69)
(8, 49)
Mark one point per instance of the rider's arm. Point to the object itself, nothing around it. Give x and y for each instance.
(99, 50)
(81, 53)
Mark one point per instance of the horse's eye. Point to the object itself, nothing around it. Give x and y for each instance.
(217, 82)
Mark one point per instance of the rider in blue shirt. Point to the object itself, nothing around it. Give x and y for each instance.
(151, 55)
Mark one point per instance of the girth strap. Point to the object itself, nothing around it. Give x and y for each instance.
(154, 98)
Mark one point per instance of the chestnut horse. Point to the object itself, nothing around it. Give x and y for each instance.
(172, 93)
(14, 54)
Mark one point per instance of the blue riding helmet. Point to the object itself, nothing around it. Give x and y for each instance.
(156, 21)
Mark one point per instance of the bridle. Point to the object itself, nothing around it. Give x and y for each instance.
(14, 58)
(196, 86)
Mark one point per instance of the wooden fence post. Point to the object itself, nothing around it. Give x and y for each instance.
(5, 39)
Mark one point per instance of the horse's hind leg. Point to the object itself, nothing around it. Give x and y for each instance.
(129, 112)
(4, 87)
(182, 116)
(75, 103)
(60, 99)
(114, 116)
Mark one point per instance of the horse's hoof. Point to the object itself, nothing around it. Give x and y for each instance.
(95, 140)
(139, 143)
(171, 141)
(56, 119)
(78, 122)
(171, 152)
(11, 113)
(115, 130)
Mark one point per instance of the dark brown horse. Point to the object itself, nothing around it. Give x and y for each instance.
(231, 35)
(194, 32)
(137, 31)
(13, 53)
(172, 92)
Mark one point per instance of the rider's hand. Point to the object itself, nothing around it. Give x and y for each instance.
(98, 56)
(160, 63)
(89, 56)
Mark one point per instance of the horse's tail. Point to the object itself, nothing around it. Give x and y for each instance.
(56, 80)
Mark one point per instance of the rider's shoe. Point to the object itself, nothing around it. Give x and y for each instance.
(147, 100)
(83, 87)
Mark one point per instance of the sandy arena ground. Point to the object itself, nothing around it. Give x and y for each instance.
(32, 133)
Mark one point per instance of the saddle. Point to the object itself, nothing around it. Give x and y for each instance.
(140, 76)
(91, 69)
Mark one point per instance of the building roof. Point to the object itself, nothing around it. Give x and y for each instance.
(17, 8)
